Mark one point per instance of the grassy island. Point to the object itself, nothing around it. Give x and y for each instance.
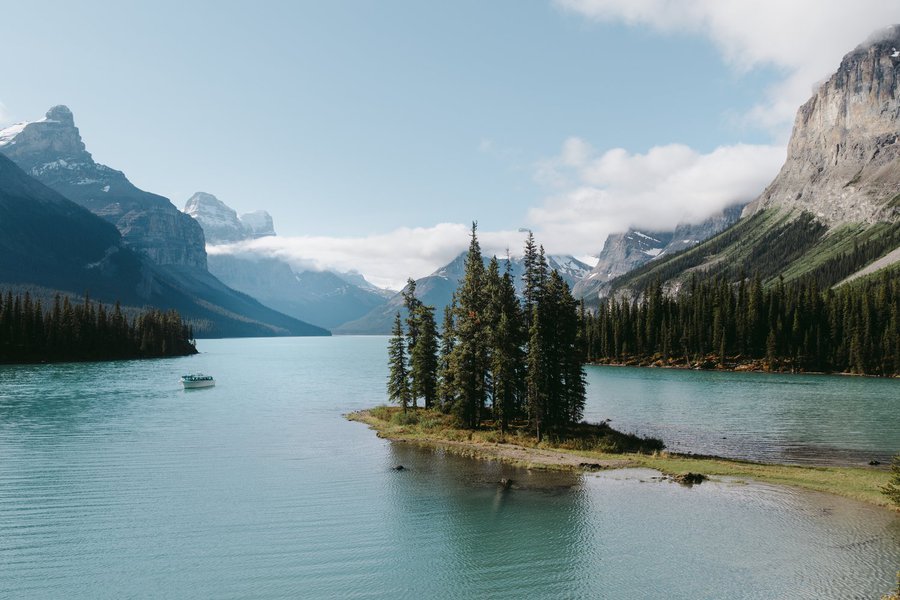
(593, 447)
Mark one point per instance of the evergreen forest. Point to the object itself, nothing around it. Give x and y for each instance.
(69, 331)
(498, 359)
(854, 328)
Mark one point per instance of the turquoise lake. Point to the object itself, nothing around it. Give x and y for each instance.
(116, 483)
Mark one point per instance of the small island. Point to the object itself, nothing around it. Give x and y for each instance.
(595, 447)
(505, 381)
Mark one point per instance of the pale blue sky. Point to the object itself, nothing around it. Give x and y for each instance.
(355, 118)
(351, 117)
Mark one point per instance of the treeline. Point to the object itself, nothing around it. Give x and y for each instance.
(497, 358)
(86, 331)
(854, 329)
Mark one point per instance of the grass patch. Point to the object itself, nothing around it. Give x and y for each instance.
(850, 482)
(418, 423)
(599, 445)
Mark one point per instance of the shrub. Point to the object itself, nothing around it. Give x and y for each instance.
(892, 489)
(382, 413)
(409, 417)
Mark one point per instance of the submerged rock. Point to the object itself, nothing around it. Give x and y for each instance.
(690, 479)
(398, 468)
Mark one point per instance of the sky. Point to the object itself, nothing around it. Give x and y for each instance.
(375, 132)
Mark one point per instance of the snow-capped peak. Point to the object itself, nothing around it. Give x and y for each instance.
(8, 135)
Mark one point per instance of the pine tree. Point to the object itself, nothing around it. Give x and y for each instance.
(446, 377)
(423, 358)
(536, 397)
(506, 356)
(398, 379)
(469, 359)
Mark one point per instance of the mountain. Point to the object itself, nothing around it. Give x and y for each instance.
(175, 275)
(319, 297)
(356, 278)
(221, 224)
(258, 223)
(52, 151)
(50, 244)
(624, 252)
(48, 240)
(843, 155)
(322, 297)
(437, 290)
(834, 208)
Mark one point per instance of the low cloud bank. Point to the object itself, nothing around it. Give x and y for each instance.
(385, 259)
(598, 194)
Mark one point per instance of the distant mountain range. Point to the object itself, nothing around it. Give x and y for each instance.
(70, 224)
(325, 298)
(437, 290)
(833, 211)
(150, 253)
(221, 224)
(624, 252)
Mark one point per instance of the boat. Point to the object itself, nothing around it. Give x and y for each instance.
(197, 380)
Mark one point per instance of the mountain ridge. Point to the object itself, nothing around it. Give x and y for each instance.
(833, 208)
(325, 298)
(51, 150)
(48, 241)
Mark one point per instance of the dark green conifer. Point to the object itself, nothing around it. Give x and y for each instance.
(398, 378)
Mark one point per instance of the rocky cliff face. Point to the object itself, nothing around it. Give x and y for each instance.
(624, 252)
(842, 157)
(52, 151)
(221, 224)
(258, 224)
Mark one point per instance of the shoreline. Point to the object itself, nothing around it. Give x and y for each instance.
(750, 366)
(856, 483)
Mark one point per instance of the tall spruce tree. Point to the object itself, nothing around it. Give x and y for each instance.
(530, 279)
(469, 358)
(446, 377)
(423, 357)
(412, 305)
(398, 378)
(536, 394)
(506, 350)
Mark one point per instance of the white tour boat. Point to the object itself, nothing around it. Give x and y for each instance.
(197, 380)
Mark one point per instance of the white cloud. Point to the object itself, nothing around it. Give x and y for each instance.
(596, 194)
(385, 259)
(610, 192)
(804, 38)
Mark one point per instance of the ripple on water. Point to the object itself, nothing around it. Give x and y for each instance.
(114, 483)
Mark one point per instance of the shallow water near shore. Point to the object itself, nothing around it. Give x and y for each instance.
(114, 482)
(793, 419)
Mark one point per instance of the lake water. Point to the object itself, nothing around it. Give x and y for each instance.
(115, 483)
(769, 417)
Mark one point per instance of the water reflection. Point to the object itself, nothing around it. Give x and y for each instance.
(768, 417)
(115, 483)
(492, 541)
